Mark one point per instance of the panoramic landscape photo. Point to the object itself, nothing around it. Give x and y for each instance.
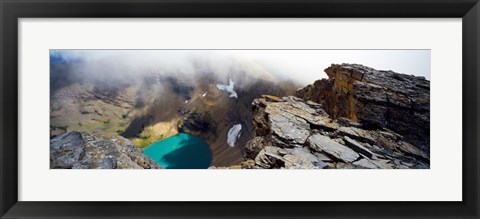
(240, 109)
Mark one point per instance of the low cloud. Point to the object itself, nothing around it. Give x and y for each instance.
(300, 66)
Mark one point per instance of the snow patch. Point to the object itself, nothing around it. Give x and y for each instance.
(186, 101)
(204, 94)
(228, 88)
(234, 134)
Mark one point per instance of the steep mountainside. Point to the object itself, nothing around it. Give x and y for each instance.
(358, 118)
(293, 133)
(376, 99)
(156, 106)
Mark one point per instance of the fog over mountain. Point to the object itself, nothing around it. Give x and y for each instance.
(302, 66)
(149, 95)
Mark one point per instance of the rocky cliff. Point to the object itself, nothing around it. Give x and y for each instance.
(293, 133)
(376, 99)
(358, 118)
(81, 150)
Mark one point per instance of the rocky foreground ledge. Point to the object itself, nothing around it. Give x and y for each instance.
(293, 133)
(80, 150)
(358, 118)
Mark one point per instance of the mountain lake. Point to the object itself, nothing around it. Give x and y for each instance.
(181, 151)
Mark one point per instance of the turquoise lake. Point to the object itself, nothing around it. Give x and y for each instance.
(181, 151)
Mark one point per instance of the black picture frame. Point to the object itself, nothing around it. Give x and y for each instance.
(12, 10)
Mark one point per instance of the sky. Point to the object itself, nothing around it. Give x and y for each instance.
(302, 66)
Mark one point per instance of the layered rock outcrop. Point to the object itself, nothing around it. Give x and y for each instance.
(358, 118)
(376, 99)
(293, 133)
(81, 150)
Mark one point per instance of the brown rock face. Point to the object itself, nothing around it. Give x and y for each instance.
(291, 133)
(376, 99)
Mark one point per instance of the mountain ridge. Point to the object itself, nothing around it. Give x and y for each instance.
(359, 117)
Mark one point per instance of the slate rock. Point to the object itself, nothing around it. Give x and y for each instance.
(107, 163)
(82, 150)
(364, 163)
(66, 150)
(358, 118)
(357, 147)
(295, 130)
(376, 99)
(325, 144)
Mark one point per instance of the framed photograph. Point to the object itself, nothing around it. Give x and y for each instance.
(239, 109)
